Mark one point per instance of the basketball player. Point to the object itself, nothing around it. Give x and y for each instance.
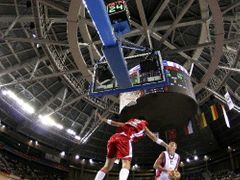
(120, 144)
(167, 163)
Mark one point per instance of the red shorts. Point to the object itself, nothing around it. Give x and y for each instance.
(120, 147)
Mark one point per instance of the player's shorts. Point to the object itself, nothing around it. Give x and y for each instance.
(119, 146)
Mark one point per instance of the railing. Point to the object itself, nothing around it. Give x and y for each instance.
(216, 82)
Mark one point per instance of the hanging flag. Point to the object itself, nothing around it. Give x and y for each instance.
(188, 129)
(225, 116)
(229, 101)
(171, 134)
(191, 69)
(214, 112)
(203, 120)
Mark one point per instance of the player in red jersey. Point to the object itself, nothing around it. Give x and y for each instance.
(120, 147)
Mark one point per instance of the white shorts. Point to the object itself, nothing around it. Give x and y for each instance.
(163, 176)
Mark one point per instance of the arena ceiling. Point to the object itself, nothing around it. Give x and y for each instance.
(48, 49)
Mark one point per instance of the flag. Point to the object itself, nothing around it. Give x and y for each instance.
(214, 112)
(191, 69)
(188, 129)
(225, 116)
(171, 134)
(229, 101)
(203, 122)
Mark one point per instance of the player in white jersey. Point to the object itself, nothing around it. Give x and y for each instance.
(167, 163)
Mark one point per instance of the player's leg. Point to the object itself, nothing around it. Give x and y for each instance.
(126, 153)
(105, 169)
(126, 164)
(111, 157)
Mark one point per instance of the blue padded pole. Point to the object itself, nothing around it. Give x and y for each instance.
(111, 48)
(116, 61)
(98, 13)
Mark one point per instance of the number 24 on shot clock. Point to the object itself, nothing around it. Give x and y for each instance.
(116, 6)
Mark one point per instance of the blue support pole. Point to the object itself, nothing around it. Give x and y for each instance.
(98, 13)
(111, 48)
(115, 59)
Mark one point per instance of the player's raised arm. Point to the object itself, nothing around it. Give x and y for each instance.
(109, 121)
(154, 138)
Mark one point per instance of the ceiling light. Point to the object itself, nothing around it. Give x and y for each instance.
(206, 158)
(91, 161)
(135, 167)
(77, 157)
(59, 126)
(28, 108)
(48, 121)
(4, 92)
(70, 131)
(84, 140)
(25, 106)
(77, 138)
(30, 142)
(12, 95)
(83, 161)
(188, 160)
(195, 157)
(62, 154)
